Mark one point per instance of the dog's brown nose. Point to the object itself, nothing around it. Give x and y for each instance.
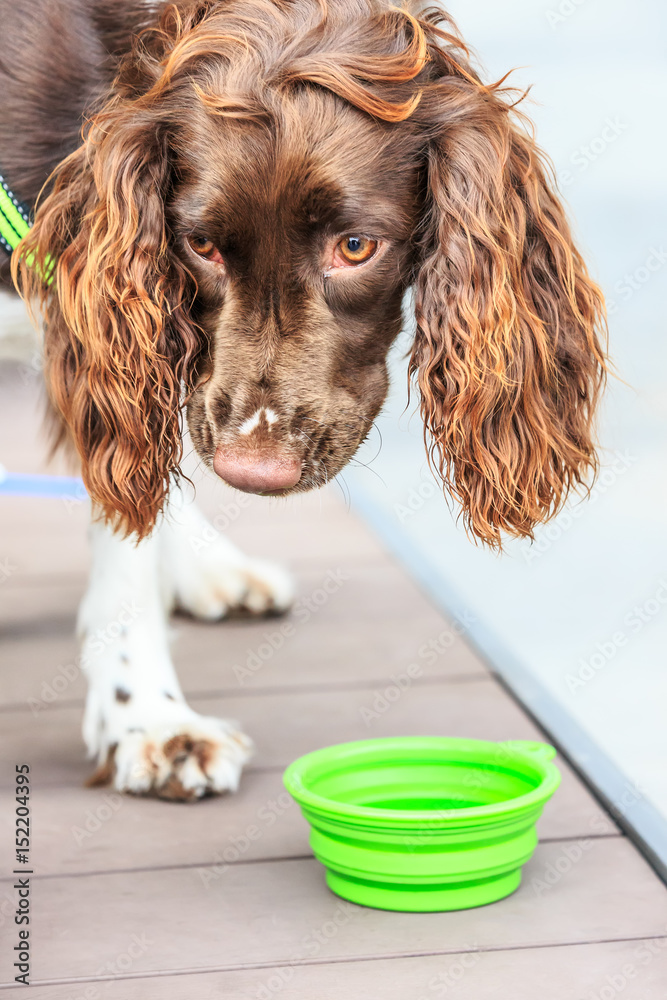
(255, 472)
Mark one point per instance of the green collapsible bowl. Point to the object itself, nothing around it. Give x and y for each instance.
(424, 823)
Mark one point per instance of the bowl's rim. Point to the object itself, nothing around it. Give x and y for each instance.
(538, 755)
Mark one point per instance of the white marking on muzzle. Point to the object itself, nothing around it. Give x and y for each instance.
(253, 422)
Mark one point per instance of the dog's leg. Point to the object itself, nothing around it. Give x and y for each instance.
(207, 576)
(137, 723)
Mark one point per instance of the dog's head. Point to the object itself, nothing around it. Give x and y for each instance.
(238, 230)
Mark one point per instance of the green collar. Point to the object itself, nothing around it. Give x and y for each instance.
(14, 218)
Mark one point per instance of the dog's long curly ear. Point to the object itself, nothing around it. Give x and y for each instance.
(508, 354)
(118, 344)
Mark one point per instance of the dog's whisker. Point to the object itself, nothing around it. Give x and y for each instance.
(345, 490)
(363, 465)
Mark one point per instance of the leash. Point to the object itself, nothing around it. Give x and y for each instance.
(19, 484)
(15, 220)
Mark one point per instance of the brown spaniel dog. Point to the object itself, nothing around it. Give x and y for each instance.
(257, 185)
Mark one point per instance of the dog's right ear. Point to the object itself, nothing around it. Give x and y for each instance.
(118, 344)
(509, 354)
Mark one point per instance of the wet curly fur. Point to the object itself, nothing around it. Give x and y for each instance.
(273, 124)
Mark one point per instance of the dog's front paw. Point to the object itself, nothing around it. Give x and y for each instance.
(210, 590)
(206, 576)
(269, 587)
(182, 761)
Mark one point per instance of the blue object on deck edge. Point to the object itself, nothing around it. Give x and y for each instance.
(18, 484)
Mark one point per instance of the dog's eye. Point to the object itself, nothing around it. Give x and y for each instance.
(356, 249)
(205, 248)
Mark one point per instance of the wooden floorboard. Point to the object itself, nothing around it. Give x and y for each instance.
(634, 969)
(281, 913)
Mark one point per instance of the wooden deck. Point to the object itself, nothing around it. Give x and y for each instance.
(144, 899)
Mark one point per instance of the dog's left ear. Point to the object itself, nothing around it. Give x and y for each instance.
(507, 356)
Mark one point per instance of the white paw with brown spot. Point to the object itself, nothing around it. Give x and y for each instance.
(183, 762)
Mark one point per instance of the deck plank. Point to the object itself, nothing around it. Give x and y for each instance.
(637, 970)
(282, 913)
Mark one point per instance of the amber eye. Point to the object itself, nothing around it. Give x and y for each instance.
(205, 248)
(356, 249)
